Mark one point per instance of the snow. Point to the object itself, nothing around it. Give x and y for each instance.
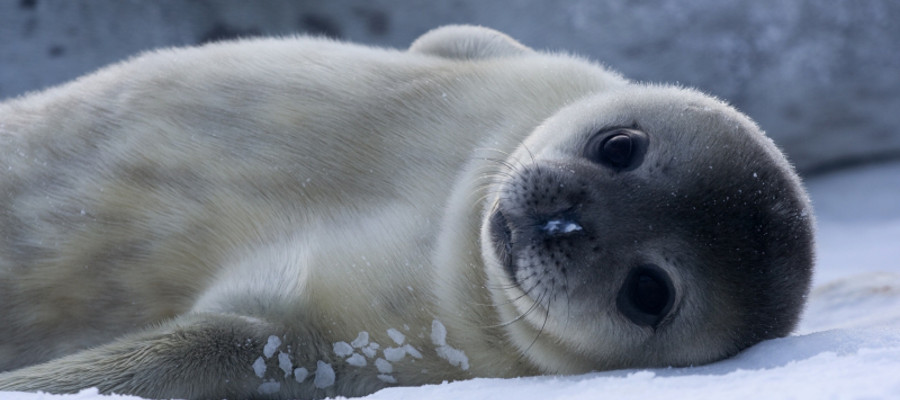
(554, 227)
(847, 345)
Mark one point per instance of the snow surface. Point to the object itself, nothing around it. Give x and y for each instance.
(846, 347)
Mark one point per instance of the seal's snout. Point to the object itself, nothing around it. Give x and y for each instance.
(523, 241)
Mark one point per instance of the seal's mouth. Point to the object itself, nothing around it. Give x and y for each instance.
(501, 237)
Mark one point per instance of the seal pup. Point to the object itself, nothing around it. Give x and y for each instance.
(302, 218)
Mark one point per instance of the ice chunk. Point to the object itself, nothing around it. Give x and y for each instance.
(394, 353)
(438, 333)
(412, 351)
(259, 367)
(269, 387)
(371, 349)
(361, 340)
(284, 362)
(324, 375)
(342, 349)
(383, 366)
(271, 346)
(396, 336)
(357, 360)
(300, 374)
(455, 357)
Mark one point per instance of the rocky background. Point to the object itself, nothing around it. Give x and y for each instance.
(821, 77)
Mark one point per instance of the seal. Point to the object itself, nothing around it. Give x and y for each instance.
(302, 218)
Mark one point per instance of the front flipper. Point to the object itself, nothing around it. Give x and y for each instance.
(467, 42)
(195, 356)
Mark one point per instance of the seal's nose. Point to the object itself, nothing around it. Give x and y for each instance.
(560, 226)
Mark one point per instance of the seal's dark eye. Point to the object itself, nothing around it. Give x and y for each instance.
(646, 296)
(617, 150)
(621, 149)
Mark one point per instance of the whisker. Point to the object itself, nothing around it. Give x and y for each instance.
(523, 315)
(566, 291)
(530, 154)
(524, 294)
(541, 330)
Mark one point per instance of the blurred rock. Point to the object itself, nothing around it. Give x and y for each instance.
(823, 78)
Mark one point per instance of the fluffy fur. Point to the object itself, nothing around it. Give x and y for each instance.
(301, 218)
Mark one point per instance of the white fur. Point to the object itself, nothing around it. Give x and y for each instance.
(179, 208)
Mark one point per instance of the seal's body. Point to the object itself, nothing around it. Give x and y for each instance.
(305, 218)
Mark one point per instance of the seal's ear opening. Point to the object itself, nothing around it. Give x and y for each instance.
(619, 148)
(646, 296)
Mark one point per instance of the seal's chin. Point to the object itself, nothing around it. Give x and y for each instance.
(501, 238)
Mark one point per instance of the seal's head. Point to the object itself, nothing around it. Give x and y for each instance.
(647, 226)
